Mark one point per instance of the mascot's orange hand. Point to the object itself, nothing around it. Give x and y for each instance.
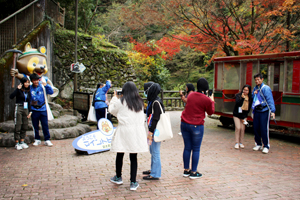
(14, 72)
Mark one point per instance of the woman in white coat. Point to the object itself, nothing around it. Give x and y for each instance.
(130, 136)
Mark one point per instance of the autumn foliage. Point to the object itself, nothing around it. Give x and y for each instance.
(225, 27)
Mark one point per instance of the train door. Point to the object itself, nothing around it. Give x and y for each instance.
(273, 77)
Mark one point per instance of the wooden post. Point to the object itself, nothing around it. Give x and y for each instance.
(76, 26)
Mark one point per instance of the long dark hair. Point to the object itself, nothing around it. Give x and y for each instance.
(249, 94)
(132, 97)
(249, 88)
(190, 87)
(24, 80)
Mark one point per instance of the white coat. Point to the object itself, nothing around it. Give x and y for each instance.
(130, 135)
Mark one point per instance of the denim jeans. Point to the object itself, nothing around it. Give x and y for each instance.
(155, 159)
(192, 137)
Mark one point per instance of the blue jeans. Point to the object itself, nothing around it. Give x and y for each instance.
(155, 159)
(36, 117)
(192, 137)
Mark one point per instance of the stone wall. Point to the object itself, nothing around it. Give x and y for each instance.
(102, 60)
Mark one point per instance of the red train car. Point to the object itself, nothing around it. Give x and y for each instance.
(281, 72)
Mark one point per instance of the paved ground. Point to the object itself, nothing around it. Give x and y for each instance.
(58, 173)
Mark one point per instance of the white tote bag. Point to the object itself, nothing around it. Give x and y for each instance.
(163, 129)
(92, 114)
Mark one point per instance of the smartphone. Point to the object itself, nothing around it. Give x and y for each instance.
(210, 92)
(119, 92)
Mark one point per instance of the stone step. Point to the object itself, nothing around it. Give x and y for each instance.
(61, 122)
(7, 139)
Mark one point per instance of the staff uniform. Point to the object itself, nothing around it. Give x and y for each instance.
(39, 110)
(261, 119)
(100, 98)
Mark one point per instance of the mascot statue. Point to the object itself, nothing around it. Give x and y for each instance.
(33, 61)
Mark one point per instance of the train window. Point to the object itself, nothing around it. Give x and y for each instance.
(289, 76)
(220, 77)
(264, 72)
(281, 76)
(231, 76)
(275, 76)
(255, 70)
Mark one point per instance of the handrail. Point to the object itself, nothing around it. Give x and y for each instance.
(10, 16)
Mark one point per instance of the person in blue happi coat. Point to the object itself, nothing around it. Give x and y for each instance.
(263, 108)
(39, 109)
(99, 100)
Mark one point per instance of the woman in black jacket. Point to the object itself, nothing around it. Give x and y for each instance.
(151, 91)
(22, 112)
(241, 109)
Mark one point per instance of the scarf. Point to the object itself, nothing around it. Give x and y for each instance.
(245, 105)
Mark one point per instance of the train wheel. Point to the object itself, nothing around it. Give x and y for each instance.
(226, 121)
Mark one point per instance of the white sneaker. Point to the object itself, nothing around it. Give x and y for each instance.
(18, 147)
(37, 142)
(236, 146)
(265, 150)
(24, 145)
(257, 147)
(48, 143)
(242, 146)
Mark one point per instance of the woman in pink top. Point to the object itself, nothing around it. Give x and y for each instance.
(192, 126)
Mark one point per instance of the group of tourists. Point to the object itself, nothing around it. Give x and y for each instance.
(31, 103)
(133, 137)
(262, 103)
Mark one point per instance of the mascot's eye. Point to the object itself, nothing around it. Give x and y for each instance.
(33, 64)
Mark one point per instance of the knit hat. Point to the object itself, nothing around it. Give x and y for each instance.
(202, 85)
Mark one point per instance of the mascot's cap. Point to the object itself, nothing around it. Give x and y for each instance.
(34, 76)
(30, 51)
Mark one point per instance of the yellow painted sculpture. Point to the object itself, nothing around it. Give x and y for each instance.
(33, 61)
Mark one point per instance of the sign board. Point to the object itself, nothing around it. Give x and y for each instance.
(95, 141)
(81, 101)
(77, 67)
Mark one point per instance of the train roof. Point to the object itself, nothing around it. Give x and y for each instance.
(272, 56)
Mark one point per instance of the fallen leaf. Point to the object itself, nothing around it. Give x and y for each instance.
(25, 185)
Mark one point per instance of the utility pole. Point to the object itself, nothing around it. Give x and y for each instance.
(76, 26)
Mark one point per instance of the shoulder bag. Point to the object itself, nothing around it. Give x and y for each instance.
(163, 129)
